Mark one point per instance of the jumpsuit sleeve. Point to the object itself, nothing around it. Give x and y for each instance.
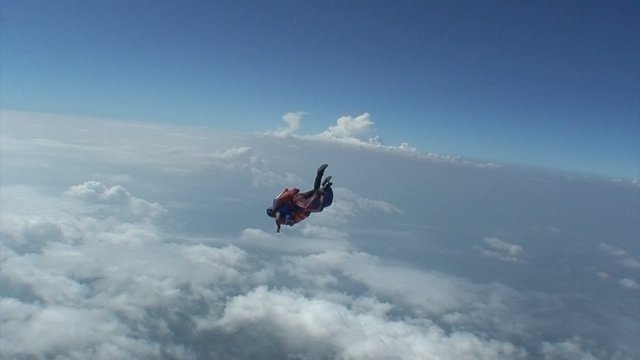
(286, 196)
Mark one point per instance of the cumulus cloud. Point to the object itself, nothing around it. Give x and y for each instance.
(348, 127)
(129, 290)
(90, 289)
(320, 328)
(356, 131)
(95, 192)
(501, 250)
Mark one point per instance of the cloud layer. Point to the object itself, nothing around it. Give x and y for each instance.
(162, 250)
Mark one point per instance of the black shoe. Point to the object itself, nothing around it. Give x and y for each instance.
(322, 168)
(326, 181)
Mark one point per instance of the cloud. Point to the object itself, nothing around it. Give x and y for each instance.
(501, 250)
(630, 263)
(611, 250)
(178, 260)
(100, 277)
(419, 294)
(348, 127)
(37, 332)
(626, 259)
(95, 192)
(566, 350)
(318, 327)
(630, 284)
(232, 154)
(324, 239)
(349, 204)
(128, 288)
(293, 120)
(356, 131)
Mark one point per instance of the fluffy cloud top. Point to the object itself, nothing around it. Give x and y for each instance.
(95, 192)
(356, 131)
(348, 127)
(126, 290)
(320, 328)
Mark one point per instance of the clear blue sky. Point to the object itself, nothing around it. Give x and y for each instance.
(549, 83)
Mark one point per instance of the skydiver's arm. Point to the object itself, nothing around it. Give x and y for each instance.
(278, 221)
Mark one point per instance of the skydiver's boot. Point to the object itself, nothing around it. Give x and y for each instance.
(319, 174)
(326, 184)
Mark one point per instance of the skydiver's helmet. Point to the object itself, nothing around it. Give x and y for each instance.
(271, 212)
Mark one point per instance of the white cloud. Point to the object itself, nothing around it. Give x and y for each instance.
(566, 350)
(355, 131)
(502, 250)
(289, 241)
(231, 154)
(626, 259)
(68, 332)
(348, 204)
(612, 250)
(95, 192)
(630, 284)
(293, 120)
(88, 289)
(317, 327)
(125, 287)
(142, 278)
(423, 294)
(348, 127)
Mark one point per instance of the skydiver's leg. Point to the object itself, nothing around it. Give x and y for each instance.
(316, 183)
(319, 174)
(327, 199)
(308, 194)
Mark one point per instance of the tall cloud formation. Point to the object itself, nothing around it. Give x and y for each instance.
(178, 260)
(357, 131)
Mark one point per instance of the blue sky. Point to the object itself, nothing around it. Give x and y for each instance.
(549, 84)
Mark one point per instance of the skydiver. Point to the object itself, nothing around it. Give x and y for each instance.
(291, 206)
